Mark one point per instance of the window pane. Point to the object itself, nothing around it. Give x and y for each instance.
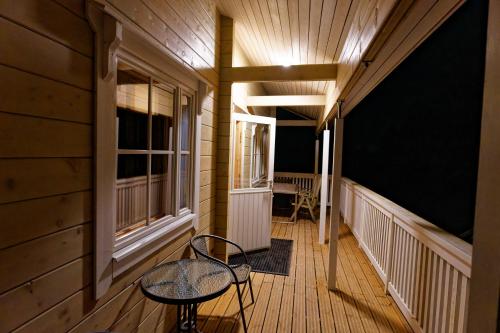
(161, 186)
(250, 155)
(131, 193)
(184, 180)
(163, 117)
(186, 122)
(132, 108)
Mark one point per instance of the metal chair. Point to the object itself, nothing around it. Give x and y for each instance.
(240, 272)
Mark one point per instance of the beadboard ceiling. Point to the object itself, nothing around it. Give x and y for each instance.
(281, 32)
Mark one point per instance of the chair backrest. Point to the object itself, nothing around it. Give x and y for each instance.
(316, 188)
(200, 246)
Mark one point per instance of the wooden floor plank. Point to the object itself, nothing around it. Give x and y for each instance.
(312, 311)
(274, 307)
(301, 301)
(257, 283)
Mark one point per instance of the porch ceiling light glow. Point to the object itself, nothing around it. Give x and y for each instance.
(286, 62)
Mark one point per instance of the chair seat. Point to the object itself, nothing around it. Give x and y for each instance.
(242, 272)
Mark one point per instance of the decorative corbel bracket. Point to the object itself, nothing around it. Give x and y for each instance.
(203, 90)
(108, 32)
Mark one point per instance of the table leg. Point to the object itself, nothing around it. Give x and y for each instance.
(179, 319)
(190, 318)
(195, 306)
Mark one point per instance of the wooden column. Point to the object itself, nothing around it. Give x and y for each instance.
(324, 187)
(335, 208)
(223, 134)
(485, 275)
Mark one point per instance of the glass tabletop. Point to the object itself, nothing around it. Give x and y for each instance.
(186, 281)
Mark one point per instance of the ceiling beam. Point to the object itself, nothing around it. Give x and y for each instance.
(296, 123)
(286, 100)
(317, 72)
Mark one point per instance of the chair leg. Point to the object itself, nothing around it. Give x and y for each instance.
(297, 208)
(251, 290)
(311, 211)
(242, 310)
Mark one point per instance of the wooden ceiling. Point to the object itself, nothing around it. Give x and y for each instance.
(281, 32)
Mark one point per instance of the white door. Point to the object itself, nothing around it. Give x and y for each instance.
(251, 178)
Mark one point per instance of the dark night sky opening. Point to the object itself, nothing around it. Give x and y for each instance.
(415, 138)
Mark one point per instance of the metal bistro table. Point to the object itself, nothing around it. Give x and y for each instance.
(286, 188)
(186, 283)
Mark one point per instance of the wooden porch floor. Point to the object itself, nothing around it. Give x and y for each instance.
(301, 301)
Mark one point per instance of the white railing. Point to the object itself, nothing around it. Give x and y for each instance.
(425, 269)
(304, 180)
(131, 199)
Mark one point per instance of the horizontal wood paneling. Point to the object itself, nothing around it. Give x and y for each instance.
(25, 136)
(40, 294)
(29, 94)
(38, 15)
(23, 262)
(53, 60)
(153, 21)
(46, 163)
(26, 220)
(23, 179)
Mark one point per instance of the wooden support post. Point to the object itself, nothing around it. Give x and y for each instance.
(316, 157)
(483, 304)
(223, 133)
(335, 208)
(324, 187)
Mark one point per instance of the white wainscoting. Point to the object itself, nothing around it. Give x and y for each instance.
(424, 268)
(250, 219)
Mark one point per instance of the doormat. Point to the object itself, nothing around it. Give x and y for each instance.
(275, 260)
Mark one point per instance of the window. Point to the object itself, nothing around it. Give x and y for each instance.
(147, 131)
(146, 119)
(153, 163)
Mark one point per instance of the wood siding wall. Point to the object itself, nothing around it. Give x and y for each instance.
(46, 162)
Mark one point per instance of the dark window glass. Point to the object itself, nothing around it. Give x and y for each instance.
(132, 96)
(132, 166)
(163, 117)
(184, 181)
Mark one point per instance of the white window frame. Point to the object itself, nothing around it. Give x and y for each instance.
(116, 40)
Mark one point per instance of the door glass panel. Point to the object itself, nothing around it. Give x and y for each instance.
(251, 149)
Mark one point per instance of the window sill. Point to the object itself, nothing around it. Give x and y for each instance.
(130, 255)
